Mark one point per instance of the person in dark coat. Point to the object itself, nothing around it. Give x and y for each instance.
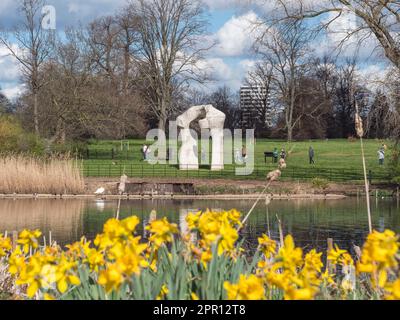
(311, 155)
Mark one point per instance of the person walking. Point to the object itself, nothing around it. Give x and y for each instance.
(148, 150)
(283, 154)
(244, 153)
(381, 156)
(311, 154)
(144, 152)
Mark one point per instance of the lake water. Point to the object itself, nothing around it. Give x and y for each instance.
(311, 222)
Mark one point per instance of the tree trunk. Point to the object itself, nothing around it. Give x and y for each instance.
(35, 113)
(162, 123)
(289, 133)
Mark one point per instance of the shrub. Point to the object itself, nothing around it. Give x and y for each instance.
(13, 139)
(320, 183)
(396, 180)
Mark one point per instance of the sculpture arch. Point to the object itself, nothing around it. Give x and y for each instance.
(214, 121)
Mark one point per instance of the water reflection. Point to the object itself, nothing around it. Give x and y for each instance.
(62, 217)
(311, 222)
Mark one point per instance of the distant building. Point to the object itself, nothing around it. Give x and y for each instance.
(254, 101)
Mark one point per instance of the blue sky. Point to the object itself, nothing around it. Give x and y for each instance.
(230, 22)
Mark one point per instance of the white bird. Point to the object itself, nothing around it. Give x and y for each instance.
(100, 191)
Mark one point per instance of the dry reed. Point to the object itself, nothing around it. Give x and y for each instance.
(360, 133)
(29, 175)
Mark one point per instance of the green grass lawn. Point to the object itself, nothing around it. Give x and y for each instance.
(335, 160)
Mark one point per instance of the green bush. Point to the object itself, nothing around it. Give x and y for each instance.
(396, 180)
(13, 138)
(319, 183)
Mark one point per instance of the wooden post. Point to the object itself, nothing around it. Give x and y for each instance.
(14, 239)
(282, 241)
(330, 267)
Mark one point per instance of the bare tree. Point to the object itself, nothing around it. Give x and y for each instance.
(392, 87)
(377, 121)
(34, 47)
(286, 49)
(377, 18)
(84, 98)
(4, 103)
(223, 99)
(171, 45)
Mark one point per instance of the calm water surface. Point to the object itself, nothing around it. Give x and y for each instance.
(311, 222)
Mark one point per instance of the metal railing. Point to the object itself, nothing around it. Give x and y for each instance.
(143, 170)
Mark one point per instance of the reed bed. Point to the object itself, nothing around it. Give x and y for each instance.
(30, 175)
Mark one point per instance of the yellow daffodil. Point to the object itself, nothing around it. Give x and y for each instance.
(300, 294)
(48, 297)
(248, 288)
(94, 258)
(312, 261)
(267, 246)
(206, 257)
(393, 291)
(5, 245)
(379, 252)
(289, 257)
(16, 261)
(194, 296)
(161, 231)
(339, 256)
(192, 220)
(163, 292)
(111, 278)
(28, 239)
(65, 274)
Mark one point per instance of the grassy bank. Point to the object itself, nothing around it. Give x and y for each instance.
(336, 160)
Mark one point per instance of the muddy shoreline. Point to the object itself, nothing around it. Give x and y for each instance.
(222, 189)
(180, 197)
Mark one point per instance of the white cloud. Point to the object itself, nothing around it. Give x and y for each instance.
(13, 92)
(374, 76)
(216, 68)
(340, 35)
(9, 74)
(230, 75)
(9, 69)
(221, 4)
(237, 35)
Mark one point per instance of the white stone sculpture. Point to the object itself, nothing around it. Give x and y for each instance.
(214, 121)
